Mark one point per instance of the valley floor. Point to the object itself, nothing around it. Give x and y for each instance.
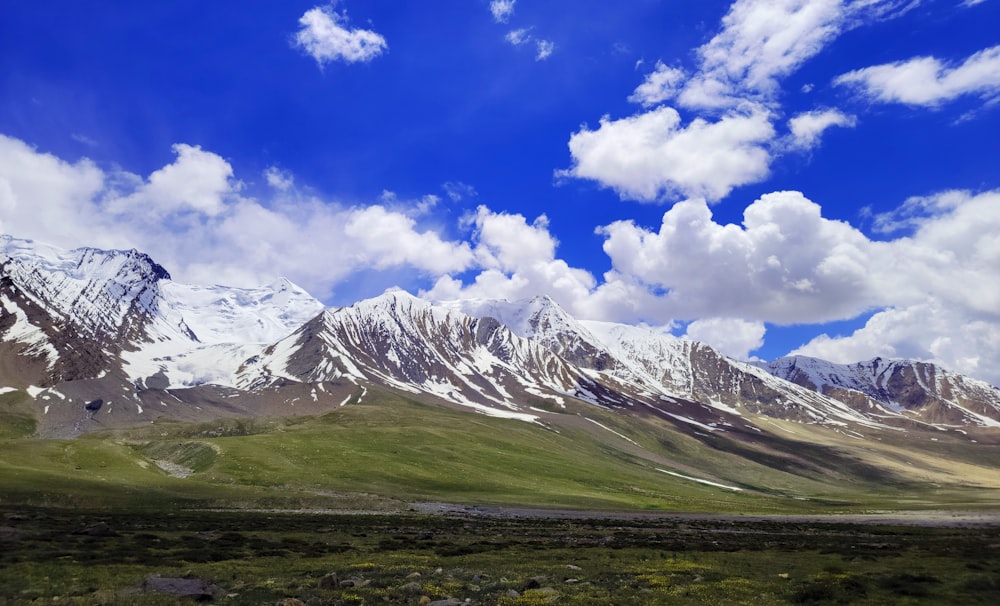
(522, 557)
(928, 518)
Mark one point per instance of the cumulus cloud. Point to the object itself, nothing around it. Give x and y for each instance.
(659, 85)
(325, 35)
(934, 291)
(926, 81)
(502, 10)
(933, 287)
(652, 155)
(807, 128)
(785, 263)
(517, 261)
(41, 194)
(929, 331)
(191, 216)
(197, 181)
(734, 92)
(734, 337)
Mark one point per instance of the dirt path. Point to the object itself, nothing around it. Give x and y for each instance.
(891, 518)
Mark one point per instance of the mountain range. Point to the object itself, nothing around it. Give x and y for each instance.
(106, 339)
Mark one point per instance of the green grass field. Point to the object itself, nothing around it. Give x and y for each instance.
(255, 511)
(390, 451)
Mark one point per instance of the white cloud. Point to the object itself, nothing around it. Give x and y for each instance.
(518, 261)
(917, 211)
(732, 336)
(523, 36)
(760, 41)
(457, 191)
(968, 3)
(517, 37)
(808, 127)
(659, 85)
(502, 10)
(652, 156)
(325, 35)
(930, 332)
(281, 180)
(84, 139)
(935, 288)
(734, 92)
(545, 49)
(926, 81)
(41, 194)
(786, 263)
(190, 216)
(938, 287)
(197, 181)
(935, 291)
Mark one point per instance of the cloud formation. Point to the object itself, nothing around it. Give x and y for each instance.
(732, 336)
(760, 42)
(932, 285)
(545, 49)
(807, 128)
(325, 35)
(502, 10)
(660, 85)
(926, 81)
(192, 217)
(784, 264)
(734, 92)
(517, 37)
(653, 155)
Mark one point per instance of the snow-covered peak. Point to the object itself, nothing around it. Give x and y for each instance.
(393, 303)
(527, 318)
(868, 376)
(898, 385)
(221, 314)
(100, 292)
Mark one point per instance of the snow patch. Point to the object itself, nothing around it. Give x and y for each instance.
(605, 427)
(700, 481)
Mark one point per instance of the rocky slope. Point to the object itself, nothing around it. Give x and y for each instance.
(887, 388)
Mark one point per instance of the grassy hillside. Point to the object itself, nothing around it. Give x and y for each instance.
(390, 450)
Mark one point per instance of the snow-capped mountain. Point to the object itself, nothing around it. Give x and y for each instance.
(892, 387)
(657, 368)
(84, 313)
(399, 340)
(82, 326)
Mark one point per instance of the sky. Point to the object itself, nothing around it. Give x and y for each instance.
(817, 177)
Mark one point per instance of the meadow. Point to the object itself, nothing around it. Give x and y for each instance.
(73, 557)
(340, 509)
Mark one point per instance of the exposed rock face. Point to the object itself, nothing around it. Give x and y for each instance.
(884, 387)
(407, 343)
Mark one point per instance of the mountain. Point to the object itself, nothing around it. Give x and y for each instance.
(91, 326)
(407, 343)
(113, 326)
(889, 388)
(653, 367)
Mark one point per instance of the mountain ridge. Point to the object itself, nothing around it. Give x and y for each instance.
(93, 321)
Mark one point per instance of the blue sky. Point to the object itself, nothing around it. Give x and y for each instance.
(817, 176)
